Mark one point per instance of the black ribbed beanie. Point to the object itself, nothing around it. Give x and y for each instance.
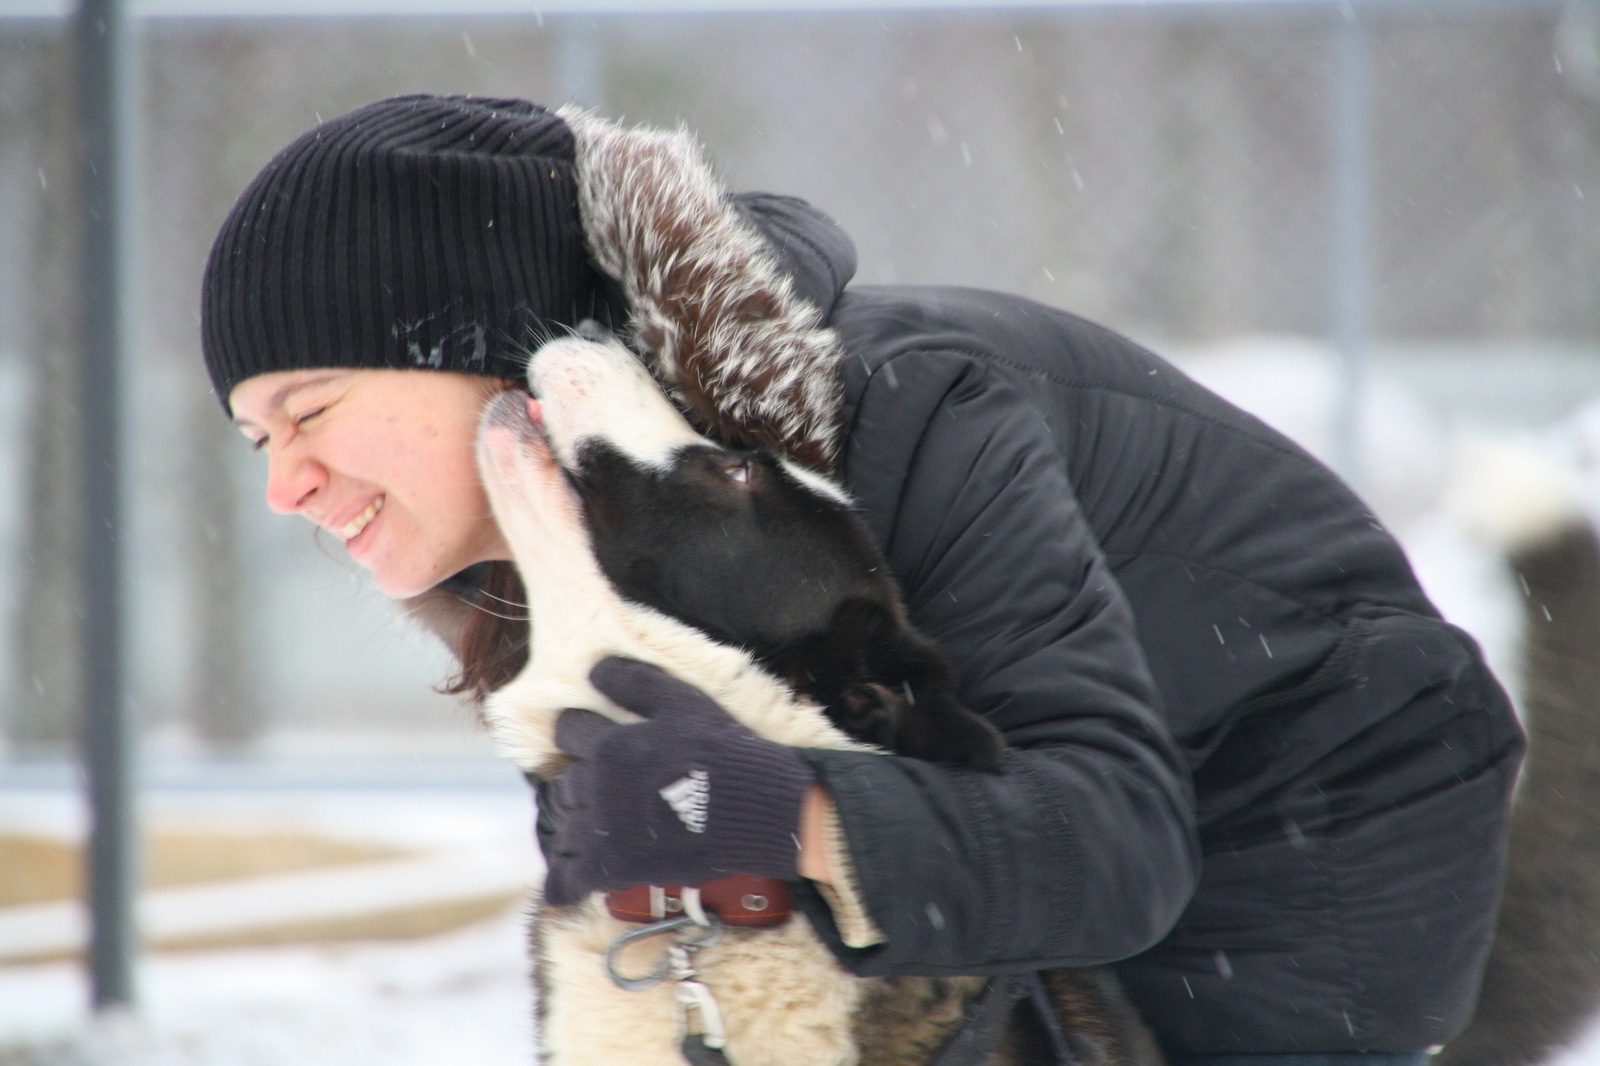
(420, 231)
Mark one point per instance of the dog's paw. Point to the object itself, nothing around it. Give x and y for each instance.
(940, 730)
(884, 683)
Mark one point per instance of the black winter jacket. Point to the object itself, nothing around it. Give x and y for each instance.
(1249, 764)
(1188, 630)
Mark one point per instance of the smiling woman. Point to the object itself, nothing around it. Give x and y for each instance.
(1191, 636)
(382, 459)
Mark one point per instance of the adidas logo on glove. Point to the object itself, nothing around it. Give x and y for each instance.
(690, 797)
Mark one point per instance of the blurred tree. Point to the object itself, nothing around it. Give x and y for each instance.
(48, 678)
(211, 91)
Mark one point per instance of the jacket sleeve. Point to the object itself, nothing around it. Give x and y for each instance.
(1082, 850)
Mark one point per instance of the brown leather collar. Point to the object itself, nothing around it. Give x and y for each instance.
(738, 899)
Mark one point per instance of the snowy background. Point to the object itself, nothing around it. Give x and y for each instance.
(459, 997)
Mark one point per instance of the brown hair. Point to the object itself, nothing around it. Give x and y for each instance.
(492, 646)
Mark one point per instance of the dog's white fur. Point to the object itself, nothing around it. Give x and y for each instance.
(783, 997)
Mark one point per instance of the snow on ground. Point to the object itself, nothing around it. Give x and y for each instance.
(456, 999)
(459, 999)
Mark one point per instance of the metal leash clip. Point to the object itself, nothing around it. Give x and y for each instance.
(710, 934)
(694, 930)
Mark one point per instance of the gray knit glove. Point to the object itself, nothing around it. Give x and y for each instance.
(684, 797)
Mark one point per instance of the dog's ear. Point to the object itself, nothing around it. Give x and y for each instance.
(902, 696)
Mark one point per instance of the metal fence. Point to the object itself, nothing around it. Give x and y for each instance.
(1384, 174)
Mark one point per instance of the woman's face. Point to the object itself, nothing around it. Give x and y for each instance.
(383, 460)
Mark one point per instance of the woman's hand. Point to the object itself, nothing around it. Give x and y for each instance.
(686, 796)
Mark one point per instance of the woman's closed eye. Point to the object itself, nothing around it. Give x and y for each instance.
(296, 421)
(301, 419)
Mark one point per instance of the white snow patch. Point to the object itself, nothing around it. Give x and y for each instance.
(462, 998)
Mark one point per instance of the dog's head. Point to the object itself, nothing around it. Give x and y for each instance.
(748, 547)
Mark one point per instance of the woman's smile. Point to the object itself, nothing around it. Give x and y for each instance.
(353, 531)
(382, 459)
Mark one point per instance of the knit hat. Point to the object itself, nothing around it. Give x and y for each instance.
(420, 231)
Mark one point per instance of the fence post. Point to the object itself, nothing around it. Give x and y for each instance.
(104, 98)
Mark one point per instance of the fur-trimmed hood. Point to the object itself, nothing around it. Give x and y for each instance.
(728, 297)
(713, 300)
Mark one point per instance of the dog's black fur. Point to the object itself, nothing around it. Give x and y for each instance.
(733, 543)
(754, 554)
(771, 562)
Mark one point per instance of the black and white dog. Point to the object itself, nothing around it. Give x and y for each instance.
(750, 577)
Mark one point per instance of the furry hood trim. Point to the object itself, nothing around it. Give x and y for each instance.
(741, 351)
(723, 327)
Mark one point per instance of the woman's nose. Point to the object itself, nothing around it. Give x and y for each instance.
(292, 481)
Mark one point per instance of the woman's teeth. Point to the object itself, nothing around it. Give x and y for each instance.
(353, 528)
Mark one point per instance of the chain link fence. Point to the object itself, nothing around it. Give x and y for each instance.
(1171, 171)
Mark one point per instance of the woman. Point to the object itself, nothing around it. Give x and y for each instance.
(1250, 765)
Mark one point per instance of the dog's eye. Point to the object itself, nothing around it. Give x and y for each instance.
(738, 471)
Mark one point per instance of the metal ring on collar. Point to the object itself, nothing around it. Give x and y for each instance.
(711, 933)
